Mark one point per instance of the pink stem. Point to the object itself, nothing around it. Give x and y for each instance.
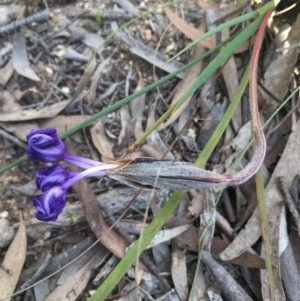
(259, 154)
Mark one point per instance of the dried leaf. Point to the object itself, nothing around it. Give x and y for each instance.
(188, 30)
(100, 140)
(124, 120)
(167, 235)
(10, 12)
(109, 237)
(179, 273)
(31, 114)
(6, 232)
(290, 274)
(190, 241)
(95, 78)
(184, 85)
(138, 48)
(74, 286)
(277, 75)
(13, 262)
(231, 79)
(92, 40)
(6, 73)
(20, 130)
(62, 122)
(20, 58)
(137, 107)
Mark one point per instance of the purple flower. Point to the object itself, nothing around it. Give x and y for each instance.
(51, 176)
(45, 145)
(50, 204)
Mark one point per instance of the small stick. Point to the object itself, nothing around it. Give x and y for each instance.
(13, 139)
(38, 17)
(283, 187)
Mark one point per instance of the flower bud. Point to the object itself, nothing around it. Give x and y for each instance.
(45, 145)
(51, 176)
(50, 204)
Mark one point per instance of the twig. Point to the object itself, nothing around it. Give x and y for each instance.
(283, 187)
(38, 17)
(13, 139)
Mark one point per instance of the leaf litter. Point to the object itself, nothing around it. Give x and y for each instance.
(48, 80)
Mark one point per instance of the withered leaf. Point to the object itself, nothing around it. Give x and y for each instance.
(20, 58)
(13, 262)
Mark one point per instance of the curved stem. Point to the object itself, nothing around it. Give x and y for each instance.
(259, 154)
(96, 170)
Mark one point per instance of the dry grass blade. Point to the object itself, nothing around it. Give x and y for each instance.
(13, 262)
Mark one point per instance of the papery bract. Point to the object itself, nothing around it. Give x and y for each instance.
(50, 204)
(45, 145)
(51, 176)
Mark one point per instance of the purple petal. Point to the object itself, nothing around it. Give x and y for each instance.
(45, 145)
(51, 176)
(50, 204)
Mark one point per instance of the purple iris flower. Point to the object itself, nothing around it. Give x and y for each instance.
(51, 203)
(46, 146)
(51, 176)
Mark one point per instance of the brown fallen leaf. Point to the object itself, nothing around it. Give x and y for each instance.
(74, 284)
(194, 33)
(183, 85)
(188, 30)
(109, 237)
(179, 273)
(144, 51)
(189, 240)
(137, 107)
(101, 142)
(278, 74)
(6, 73)
(62, 122)
(13, 262)
(32, 114)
